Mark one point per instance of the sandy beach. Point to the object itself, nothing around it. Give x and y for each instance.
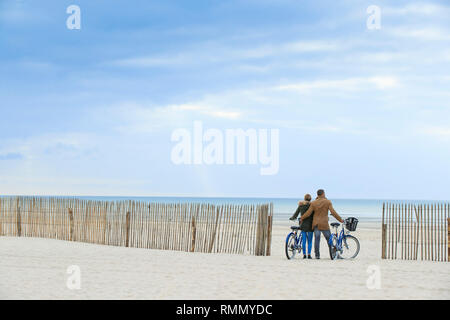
(32, 268)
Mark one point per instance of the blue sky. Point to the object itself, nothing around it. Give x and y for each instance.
(362, 113)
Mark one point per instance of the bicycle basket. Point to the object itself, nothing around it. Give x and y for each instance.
(351, 223)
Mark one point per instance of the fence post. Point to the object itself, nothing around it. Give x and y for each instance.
(258, 232)
(416, 234)
(71, 224)
(194, 231)
(383, 235)
(448, 239)
(383, 243)
(269, 234)
(1, 218)
(19, 223)
(213, 237)
(128, 230)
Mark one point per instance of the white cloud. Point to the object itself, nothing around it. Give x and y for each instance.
(207, 110)
(151, 61)
(285, 48)
(384, 82)
(437, 131)
(134, 117)
(310, 46)
(415, 9)
(213, 53)
(381, 82)
(425, 33)
(55, 145)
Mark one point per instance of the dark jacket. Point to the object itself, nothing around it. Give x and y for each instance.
(306, 225)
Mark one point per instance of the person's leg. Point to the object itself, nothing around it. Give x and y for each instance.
(304, 242)
(317, 242)
(310, 236)
(327, 235)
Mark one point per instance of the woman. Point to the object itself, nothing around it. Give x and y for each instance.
(306, 225)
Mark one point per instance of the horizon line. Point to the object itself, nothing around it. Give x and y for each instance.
(212, 197)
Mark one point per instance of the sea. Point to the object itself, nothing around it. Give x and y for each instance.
(368, 210)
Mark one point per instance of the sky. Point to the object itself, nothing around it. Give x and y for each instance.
(361, 112)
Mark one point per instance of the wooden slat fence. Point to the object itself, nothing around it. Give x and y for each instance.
(416, 231)
(192, 227)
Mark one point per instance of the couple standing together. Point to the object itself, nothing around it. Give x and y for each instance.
(314, 219)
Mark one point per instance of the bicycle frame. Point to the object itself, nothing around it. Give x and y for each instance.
(340, 238)
(298, 238)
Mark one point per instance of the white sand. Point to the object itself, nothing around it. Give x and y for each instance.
(33, 268)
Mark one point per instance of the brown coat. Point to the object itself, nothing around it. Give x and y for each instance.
(320, 207)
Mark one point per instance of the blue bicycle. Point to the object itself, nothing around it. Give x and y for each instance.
(293, 242)
(343, 245)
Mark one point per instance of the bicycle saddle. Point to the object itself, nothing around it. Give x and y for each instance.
(334, 224)
(295, 227)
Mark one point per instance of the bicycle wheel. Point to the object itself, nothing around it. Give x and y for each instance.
(290, 246)
(332, 245)
(350, 247)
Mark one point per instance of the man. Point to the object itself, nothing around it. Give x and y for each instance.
(320, 207)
